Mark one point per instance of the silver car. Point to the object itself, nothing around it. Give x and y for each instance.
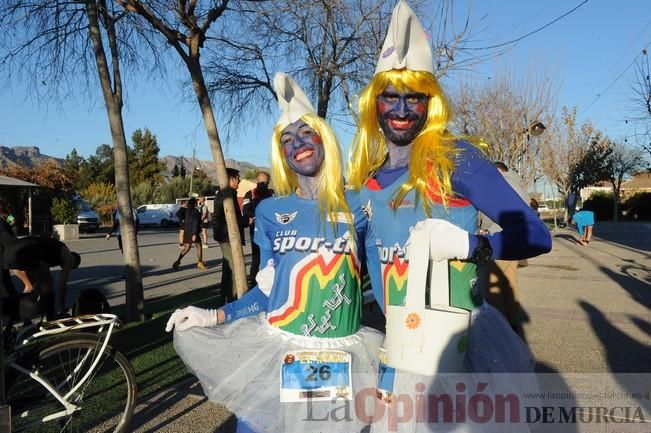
(87, 219)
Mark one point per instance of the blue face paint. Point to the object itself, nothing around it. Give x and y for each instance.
(303, 148)
(401, 115)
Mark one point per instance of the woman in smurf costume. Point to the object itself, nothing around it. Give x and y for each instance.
(292, 350)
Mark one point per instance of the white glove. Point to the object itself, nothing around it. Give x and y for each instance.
(265, 277)
(189, 317)
(446, 241)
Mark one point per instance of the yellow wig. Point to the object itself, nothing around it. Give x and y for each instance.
(433, 150)
(331, 187)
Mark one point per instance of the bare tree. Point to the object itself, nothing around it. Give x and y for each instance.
(575, 157)
(330, 47)
(624, 161)
(60, 46)
(185, 26)
(508, 114)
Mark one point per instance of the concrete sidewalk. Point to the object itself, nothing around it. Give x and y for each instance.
(588, 311)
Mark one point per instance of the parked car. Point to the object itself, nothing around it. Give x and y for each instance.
(172, 208)
(87, 219)
(152, 215)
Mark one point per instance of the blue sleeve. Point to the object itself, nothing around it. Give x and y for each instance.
(371, 258)
(373, 262)
(523, 233)
(252, 303)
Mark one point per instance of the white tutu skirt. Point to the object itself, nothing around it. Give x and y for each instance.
(497, 364)
(239, 365)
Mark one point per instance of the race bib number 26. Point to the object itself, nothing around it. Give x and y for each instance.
(315, 375)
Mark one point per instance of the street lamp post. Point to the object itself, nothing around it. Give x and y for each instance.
(191, 173)
(534, 129)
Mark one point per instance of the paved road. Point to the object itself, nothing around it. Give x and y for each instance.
(102, 267)
(588, 307)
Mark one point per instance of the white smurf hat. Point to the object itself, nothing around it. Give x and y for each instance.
(292, 101)
(406, 45)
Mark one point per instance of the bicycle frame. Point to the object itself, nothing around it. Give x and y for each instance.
(59, 327)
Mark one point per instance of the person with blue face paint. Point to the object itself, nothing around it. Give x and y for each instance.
(401, 115)
(292, 351)
(417, 182)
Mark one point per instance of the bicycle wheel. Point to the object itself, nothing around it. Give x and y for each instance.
(105, 399)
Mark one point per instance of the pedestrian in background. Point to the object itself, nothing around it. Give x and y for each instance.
(220, 232)
(180, 214)
(251, 200)
(191, 234)
(584, 220)
(533, 203)
(116, 226)
(205, 220)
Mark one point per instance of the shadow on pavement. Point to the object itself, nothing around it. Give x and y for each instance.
(551, 380)
(629, 235)
(568, 237)
(166, 411)
(624, 353)
(638, 288)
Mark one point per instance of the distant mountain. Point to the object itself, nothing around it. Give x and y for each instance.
(207, 167)
(24, 155)
(31, 155)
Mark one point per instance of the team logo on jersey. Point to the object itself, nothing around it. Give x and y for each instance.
(285, 218)
(288, 240)
(367, 209)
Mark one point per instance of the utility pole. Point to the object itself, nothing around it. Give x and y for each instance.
(192, 171)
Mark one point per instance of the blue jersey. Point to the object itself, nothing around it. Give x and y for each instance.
(478, 186)
(316, 288)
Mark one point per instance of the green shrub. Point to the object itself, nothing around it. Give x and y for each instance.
(601, 203)
(638, 206)
(102, 198)
(143, 193)
(64, 211)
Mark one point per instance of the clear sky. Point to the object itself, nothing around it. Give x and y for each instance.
(588, 53)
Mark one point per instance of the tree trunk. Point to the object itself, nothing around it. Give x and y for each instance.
(615, 203)
(113, 102)
(200, 90)
(131, 254)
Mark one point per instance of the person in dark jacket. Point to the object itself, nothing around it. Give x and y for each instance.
(31, 258)
(220, 232)
(53, 253)
(251, 200)
(191, 233)
(116, 226)
(18, 255)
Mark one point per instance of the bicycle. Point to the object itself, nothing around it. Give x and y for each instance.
(59, 379)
